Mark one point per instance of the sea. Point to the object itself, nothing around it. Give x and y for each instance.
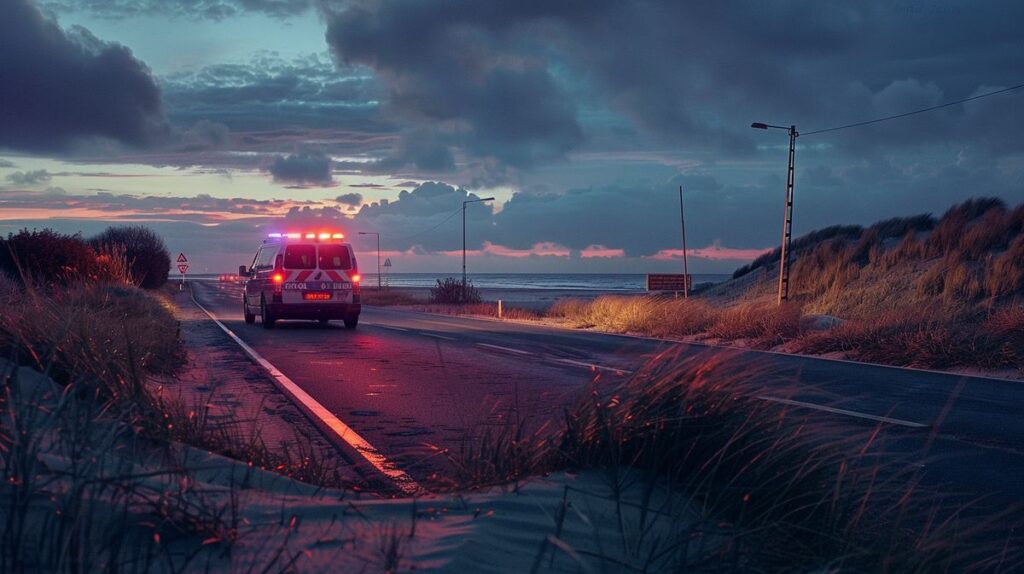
(604, 282)
(618, 282)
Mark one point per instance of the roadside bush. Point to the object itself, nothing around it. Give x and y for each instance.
(452, 291)
(144, 250)
(46, 257)
(109, 336)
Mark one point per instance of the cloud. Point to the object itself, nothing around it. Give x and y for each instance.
(58, 202)
(542, 249)
(5, 163)
(34, 177)
(302, 169)
(350, 199)
(456, 84)
(714, 252)
(61, 87)
(268, 92)
(495, 84)
(192, 9)
(600, 251)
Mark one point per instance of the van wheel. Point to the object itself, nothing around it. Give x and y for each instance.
(266, 318)
(351, 322)
(249, 317)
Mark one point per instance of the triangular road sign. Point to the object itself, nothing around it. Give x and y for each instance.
(182, 258)
(387, 262)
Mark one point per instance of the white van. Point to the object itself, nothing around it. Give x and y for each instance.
(310, 276)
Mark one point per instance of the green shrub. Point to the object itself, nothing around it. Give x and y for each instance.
(452, 291)
(47, 257)
(145, 251)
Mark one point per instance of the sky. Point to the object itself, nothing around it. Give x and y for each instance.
(217, 121)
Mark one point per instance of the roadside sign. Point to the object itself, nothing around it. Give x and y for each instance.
(669, 282)
(387, 262)
(182, 259)
(182, 268)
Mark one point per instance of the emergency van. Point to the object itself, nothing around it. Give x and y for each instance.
(311, 276)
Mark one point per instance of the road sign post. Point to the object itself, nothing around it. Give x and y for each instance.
(182, 268)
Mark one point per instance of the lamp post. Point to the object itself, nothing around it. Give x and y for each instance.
(464, 204)
(378, 254)
(787, 220)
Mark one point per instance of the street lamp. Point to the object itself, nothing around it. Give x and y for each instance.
(378, 253)
(464, 204)
(787, 218)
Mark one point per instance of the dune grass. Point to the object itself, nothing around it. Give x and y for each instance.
(70, 497)
(773, 492)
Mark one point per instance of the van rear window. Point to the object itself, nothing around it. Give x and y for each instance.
(300, 257)
(335, 257)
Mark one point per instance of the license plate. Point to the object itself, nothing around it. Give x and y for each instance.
(317, 296)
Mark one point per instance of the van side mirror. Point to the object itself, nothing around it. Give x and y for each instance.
(243, 271)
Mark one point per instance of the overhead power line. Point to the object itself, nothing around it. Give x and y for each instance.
(418, 233)
(921, 111)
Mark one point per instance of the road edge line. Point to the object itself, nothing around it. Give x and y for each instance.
(834, 410)
(706, 345)
(325, 420)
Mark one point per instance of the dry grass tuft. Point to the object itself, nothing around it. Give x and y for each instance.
(651, 315)
(765, 323)
(774, 492)
(386, 297)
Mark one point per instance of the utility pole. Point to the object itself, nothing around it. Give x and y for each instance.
(787, 216)
(464, 204)
(787, 225)
(682, 226)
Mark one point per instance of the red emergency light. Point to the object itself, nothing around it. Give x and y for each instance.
(319, 235)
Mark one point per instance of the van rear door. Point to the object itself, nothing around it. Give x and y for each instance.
(336, 264)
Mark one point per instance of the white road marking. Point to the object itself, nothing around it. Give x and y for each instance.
(436, 336)
(834, 410)
(507, 349)
(591, 366)
(388, 327)
(325, 419)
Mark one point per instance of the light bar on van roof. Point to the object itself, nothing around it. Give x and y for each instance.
(307, 235)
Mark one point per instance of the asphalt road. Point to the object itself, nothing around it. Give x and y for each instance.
(410, 383)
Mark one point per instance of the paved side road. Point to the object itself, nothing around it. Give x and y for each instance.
(412, 382)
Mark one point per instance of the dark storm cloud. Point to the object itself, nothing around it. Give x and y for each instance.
(268, 92)
(60, 87)
(350, 199)
(511, 80)
(640, 220)
(34, 177)
(302, 169)
(195, 9)
(142, 204)
(470, 88)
